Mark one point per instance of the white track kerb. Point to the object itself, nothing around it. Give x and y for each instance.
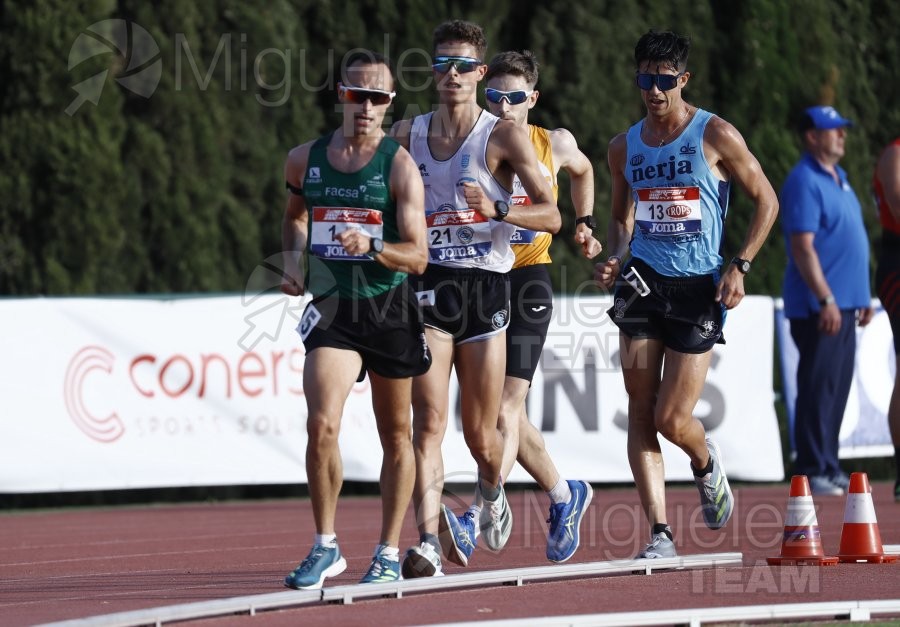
(348, 594)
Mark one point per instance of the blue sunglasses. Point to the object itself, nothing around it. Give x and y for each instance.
(463, 65)
(515, 97)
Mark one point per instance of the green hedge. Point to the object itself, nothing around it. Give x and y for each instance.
(183, 192)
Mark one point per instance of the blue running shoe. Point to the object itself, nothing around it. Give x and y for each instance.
(383, 569)
(565, 518)
(457, 535)
(321, 562)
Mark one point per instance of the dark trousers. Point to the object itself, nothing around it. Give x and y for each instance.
(824, 376)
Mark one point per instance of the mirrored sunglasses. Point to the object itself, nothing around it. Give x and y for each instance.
(358, 95)
(463, 65)
(514, 97)
(665, 82)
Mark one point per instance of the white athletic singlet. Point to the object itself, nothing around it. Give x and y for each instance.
(459, 237)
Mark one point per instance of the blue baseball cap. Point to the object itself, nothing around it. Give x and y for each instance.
(824, 118)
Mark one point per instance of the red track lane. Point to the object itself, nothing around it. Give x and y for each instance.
(65, 564)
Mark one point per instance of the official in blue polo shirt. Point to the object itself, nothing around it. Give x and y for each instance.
(826, 292)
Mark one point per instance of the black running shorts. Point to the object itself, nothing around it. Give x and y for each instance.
(469, 304)
(680, 311)
(531, 308)
(386, 331)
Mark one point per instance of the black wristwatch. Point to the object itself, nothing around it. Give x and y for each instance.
(587, 220)
(742, 264)
(502, 209)
(376, 245)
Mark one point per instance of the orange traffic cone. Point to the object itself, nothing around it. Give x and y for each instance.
(860, 539)
(802, 543)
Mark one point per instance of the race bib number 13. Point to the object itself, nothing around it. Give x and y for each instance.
(327, 222)
(669, 211)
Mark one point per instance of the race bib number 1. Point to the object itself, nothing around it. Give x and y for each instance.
(669, 211)
(327, 222)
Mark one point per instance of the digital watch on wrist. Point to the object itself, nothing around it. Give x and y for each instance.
(742, 265)
(587, 221)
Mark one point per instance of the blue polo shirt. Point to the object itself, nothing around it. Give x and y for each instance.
(813, 202)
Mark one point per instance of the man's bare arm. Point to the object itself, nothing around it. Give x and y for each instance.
(581, 183)
(509, 144)
(410, 254)
(621, 222)
(294, 221)
(723, 143)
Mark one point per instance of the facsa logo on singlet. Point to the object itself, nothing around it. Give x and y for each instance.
(666, 170)
(314, 176)
(341, 192)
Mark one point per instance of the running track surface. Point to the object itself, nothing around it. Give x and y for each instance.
(75, 563)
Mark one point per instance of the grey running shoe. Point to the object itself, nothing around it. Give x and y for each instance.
(660, 546)
(821, 485)
(715, 493)
(422, 561)
(496, 521)
(841, 480)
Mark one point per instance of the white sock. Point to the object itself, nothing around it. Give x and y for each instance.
(326, 539)
(390, 552)
(560, 493)
(476, 513)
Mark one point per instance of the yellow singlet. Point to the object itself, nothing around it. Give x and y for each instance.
(533, 247)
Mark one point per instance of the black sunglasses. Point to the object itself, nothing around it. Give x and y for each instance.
(665, 82)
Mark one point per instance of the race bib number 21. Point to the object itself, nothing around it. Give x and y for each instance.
(455, 235)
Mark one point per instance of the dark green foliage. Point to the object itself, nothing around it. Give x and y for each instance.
(183, 191)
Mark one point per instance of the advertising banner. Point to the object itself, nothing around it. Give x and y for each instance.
(104, 393)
